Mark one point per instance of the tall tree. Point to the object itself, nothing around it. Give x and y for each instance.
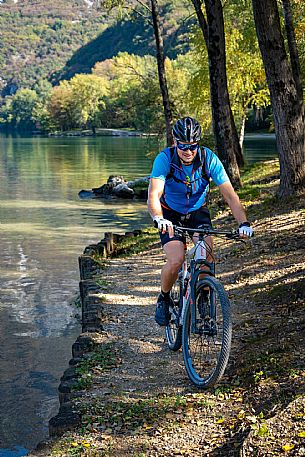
(226, 136)
(160, 56)
(287, 103)
(161, 71)
(292, 45)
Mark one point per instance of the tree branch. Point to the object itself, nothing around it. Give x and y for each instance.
(145, 6)
(201, 19)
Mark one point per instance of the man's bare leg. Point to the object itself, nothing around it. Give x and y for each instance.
(174, 251)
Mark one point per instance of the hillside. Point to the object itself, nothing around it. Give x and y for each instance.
(40, 40)
(37, 40)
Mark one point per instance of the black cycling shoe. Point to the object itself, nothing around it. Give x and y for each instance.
(162, 315)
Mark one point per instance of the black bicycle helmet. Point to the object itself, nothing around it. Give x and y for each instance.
(187, 130)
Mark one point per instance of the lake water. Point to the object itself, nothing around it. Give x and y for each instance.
(44, 227)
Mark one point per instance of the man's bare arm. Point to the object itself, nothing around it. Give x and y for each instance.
(155, 191)
(233, 201)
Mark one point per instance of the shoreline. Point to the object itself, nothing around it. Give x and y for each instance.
(102, 132)
(81, 133)
(92, 326)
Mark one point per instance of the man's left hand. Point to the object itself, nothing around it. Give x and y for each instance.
(245, 230)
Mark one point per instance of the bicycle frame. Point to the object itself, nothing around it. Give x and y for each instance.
(190, 270)
(200, 318)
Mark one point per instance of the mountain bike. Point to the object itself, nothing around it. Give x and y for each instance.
(200, 316)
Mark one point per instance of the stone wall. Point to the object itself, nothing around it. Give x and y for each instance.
(92, 326)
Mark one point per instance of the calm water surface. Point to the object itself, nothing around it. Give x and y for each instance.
(43, 229)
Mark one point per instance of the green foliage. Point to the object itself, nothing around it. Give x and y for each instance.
(198, 93)
(298, 7)
(38, 39)
(20, 110)
(78, 102)
(60, 106)
(246, 76)
(134, 97)
(43, 88)
(245, 72)
(23, 104)
(123, 91)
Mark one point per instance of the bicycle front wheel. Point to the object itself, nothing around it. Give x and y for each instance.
(173, 330)
(207, 333)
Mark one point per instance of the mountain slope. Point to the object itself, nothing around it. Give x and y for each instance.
(43, 40)
(37, 38)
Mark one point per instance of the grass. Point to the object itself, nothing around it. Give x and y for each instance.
(128, 246)
(104, 357)
(103, 284)
(136, 244)
(258, 191)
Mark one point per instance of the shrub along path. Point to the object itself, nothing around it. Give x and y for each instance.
(142, 404)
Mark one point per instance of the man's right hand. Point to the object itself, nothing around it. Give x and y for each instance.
(164, 225)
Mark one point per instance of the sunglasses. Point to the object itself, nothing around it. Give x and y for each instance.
(185, 147)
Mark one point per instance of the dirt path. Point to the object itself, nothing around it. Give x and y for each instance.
(144, 352)
(151, 407)
(175, 418)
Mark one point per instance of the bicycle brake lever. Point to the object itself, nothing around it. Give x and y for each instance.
(235, 236)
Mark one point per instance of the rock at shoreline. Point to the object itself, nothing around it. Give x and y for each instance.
(116, 186)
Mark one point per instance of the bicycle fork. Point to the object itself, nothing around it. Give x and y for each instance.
(185, 278)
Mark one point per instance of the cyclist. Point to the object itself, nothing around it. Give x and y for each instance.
(179, 184)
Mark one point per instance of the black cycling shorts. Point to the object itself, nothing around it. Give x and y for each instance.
(192, 220)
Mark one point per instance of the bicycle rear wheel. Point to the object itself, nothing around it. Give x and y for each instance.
(173, 331)
(207, 333)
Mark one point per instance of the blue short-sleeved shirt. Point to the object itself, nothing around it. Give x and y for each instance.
(175, 194)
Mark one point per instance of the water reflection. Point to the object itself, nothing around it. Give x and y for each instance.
(44, 227)
(259, 147)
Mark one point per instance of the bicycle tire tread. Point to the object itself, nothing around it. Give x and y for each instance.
(223, 358)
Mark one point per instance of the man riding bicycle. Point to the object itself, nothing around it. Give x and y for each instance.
(177, 194)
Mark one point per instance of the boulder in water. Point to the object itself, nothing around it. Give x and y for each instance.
(123, 191)
(116, 186)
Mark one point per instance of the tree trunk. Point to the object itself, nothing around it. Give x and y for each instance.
(293, 50)
(161, 71)
(242, 131)
(227, 142)
(288, 107)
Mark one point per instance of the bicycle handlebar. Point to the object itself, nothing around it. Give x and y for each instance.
(206, 231)
(232, 234)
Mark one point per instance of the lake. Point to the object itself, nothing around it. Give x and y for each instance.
(44, 228)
